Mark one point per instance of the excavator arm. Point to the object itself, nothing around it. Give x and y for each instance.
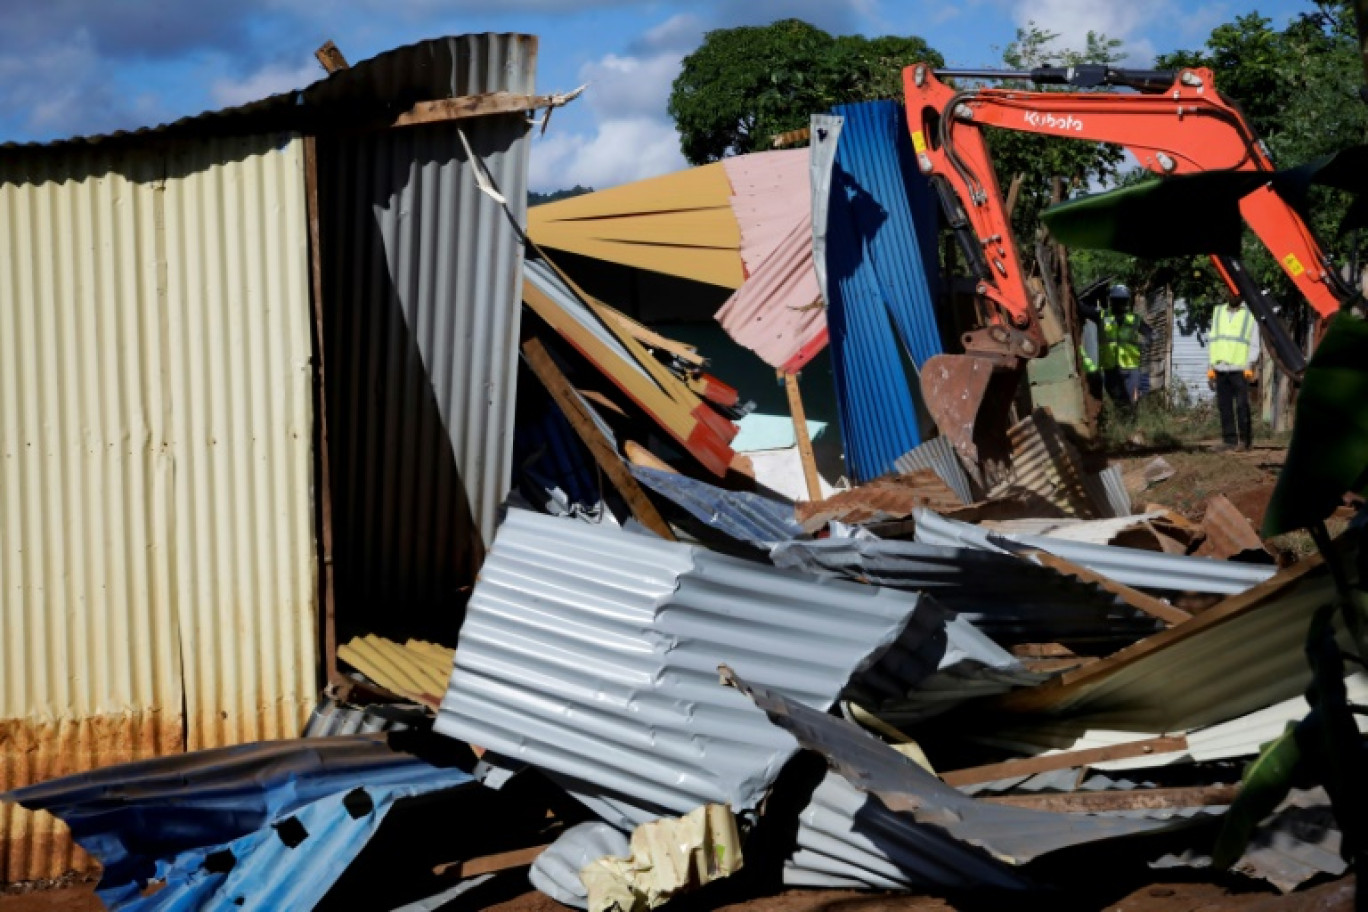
(1178, 124)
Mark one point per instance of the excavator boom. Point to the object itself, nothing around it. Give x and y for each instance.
(1176, 124)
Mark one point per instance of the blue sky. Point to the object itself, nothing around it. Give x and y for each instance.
(75, 67)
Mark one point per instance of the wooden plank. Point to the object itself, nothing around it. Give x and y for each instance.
(488, 864)
(331, 57)
(1052, 691)
(1029, 766)
(575, 412)
(1133, 800)
(685, 353)
(1134, 597)
(640, 456)
(322, 456)
(465, 107)
(681, 423)
(805, 454)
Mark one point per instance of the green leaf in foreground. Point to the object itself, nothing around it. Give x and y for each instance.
(1329, 450)
(1265, 784)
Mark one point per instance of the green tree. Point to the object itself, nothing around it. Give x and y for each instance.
(1299, 88)
(1040, 159)
(744, 85)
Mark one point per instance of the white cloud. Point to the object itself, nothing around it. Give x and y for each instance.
(628, 87)
(682, 33)
(619, 152)
(1073, 19)
(271, 79)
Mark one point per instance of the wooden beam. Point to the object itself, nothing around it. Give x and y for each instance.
(685, 353)
(1133, 800)
(1029, 766)
(1134, 597)
(322, 457)
(805, 454)
(488, 864)
(465, 107)
(1013, 191)
(539, 359)
(331, 57)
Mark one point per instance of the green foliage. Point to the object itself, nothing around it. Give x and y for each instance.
(1329, 451)
(1299, 88)
(537, 199)
(1042, 158)
(1265, 783)
(744, 85)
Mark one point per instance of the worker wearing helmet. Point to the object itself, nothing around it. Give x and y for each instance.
(1233, 349)
(1123, 333)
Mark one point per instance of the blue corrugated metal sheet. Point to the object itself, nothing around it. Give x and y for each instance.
(880, 271)
(748, 518)
(166, 818)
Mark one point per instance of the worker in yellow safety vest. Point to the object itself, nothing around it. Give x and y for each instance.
(1233, 350)
(1119, 349)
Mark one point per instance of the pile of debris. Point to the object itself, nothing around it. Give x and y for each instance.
(663, 682)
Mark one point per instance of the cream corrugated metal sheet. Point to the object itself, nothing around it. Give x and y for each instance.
(156, 524)
(1190, 362)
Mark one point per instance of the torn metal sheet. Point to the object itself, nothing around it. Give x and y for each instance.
(591, 653)
(1010, 600)
(1229, 533)
(1108, 488)
(777, 312)
(1096, 531)
(332, 718)
(556, 871)
(1044, 461)
(1239, 656)
(1147, 570)
(893, 497)
(938, 455)
(849, 838)
(1299, 841)
(1011, 835)
(669, 856)
(750, 518)
(169, 818)
(415, 670)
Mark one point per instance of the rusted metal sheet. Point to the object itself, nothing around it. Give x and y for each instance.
(156, 521)
(1044, 461)
(777, 312)
(1228, 532)
(884, 498)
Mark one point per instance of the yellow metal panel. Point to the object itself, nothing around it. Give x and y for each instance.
(716, 267)
(155, 467)
(695, 188)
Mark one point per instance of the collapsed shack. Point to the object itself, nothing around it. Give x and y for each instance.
(664, 677)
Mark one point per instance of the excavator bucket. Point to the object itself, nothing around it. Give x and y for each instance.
(970, 399)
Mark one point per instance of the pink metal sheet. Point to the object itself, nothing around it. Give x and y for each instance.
(777, 312)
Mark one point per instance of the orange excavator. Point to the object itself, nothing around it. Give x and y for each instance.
(1173, 123)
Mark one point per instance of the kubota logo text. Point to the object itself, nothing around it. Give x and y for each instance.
(1066, 122)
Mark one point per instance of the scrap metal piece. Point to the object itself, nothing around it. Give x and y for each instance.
(750, 518)
(938, 455)
(556, 872)
(591, 653)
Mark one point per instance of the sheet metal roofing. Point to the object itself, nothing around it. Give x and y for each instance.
(1131, 566)
(679, 224)
(592, 653)
(880, 275)
(938, 455)
(1011, 600)
(750, 518)
(778, 312)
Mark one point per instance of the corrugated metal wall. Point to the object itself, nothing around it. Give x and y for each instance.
(421, 291)
(156, 526)
(1189, 362)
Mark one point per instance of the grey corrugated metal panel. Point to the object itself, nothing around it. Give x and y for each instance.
(421, 291)
(1009, 834)
(1010, 600)
(1131, 566)
(746, 517)
(1244, 736)
(938, 455)
(1299, 841)
(1108, 490)
(388, 83)
(1060, 781)
(825, 130)
(1190, 363)
(556, 870)
(332, 718)
(848, 838)
(1044, 461)
(592, 654)
(1095, 531)
(540, 274)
